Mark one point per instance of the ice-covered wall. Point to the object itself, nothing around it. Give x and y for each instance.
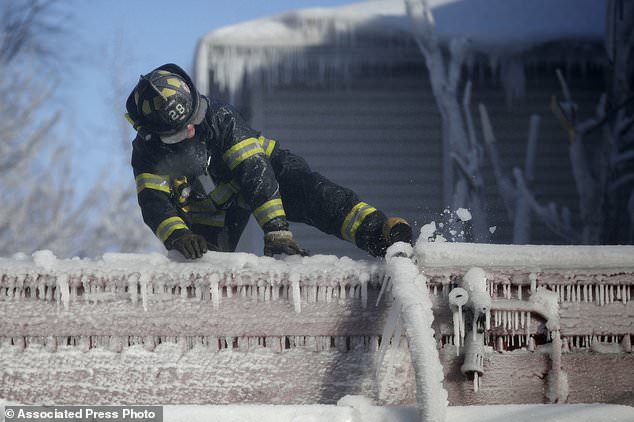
(240, 328)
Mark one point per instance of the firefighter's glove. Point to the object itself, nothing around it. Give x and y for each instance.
(191, 245)
(281, 242)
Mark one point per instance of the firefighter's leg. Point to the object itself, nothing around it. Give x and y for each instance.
(311, 198)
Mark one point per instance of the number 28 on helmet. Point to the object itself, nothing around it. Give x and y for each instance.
(163, 103)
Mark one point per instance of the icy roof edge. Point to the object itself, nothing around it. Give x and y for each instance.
(436, 254)
(430, 255)
(173, 264)
(513, 27)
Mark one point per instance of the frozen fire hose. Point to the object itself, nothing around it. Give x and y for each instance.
(410, 291)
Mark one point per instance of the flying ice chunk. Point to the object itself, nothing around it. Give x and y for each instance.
(463, 214)
(427, 232)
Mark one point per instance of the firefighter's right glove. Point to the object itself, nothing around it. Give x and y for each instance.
(191, 245)
(282, 242)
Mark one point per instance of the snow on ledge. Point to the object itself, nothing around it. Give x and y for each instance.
(174, 264)
(445, 254)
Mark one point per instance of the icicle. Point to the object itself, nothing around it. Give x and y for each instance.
(488, 319)
(143, 281)
(457, 334)
(500, 344)
(364, 279)
(626, 343)
(474, 328)
(214, 290)
(515, 320)
(294, 279)
(519, 292)
(476, 382)
(328, 294)
(64, 290)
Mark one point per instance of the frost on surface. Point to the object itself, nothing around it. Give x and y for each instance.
(536, 256)
(148, 278)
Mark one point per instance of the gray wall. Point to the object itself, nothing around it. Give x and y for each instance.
(379, 134)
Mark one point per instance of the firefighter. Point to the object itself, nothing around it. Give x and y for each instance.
(183, 136)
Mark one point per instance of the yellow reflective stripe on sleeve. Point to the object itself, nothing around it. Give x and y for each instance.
(206, 219)
(267, 145)
(152, 181)
(354, 219)
(268, 211)
(241, 151)
(223, 192)
(168, 226)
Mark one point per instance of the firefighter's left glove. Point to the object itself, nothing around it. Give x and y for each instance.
(191, 245)
(281, 242)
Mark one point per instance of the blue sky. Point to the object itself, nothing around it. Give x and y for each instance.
(136, 36)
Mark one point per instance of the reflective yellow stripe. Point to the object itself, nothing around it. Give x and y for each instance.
(206, 219)
(268, 211)
(223, 192)
(354, 219)
(152, 181)
(168, 226)
(267, 145)
(241, 151)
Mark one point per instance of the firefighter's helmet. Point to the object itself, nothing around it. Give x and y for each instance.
(164, 102)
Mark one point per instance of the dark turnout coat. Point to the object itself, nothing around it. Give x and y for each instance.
(251, 174)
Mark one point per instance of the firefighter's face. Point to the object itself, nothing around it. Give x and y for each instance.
(191, 131)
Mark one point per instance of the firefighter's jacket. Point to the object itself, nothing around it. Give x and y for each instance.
(243, 166)
(226, 148)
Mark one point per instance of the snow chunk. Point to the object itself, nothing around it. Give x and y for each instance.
(427, 232)
(463, 214)
(356, 402)
(45, 259)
